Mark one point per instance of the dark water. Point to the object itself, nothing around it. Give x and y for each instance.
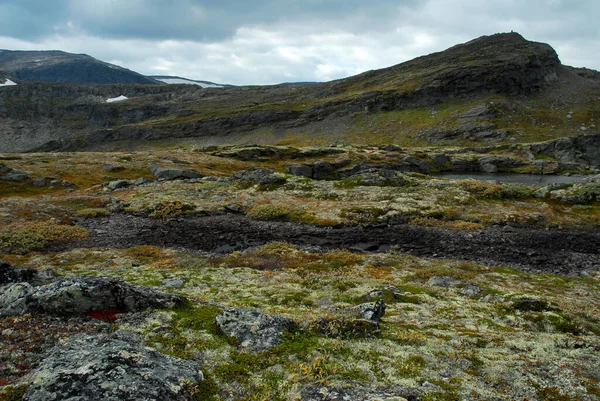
(527, 179)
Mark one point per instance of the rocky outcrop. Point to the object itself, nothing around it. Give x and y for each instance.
(78, 295)
(583, 149)
(112, 368)
(257, 175)
(252, 330)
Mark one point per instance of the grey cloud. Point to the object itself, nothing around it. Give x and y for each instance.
(197, 20)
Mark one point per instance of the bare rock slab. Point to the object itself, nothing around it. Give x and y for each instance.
(78, 295)
(112, 367)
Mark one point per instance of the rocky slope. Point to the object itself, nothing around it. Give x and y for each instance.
(500, 89)
(57, 66)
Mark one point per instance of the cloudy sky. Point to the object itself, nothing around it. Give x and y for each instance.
(273, 41)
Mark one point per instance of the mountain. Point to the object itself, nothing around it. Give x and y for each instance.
(495, 90)
(167, 79)
(58, 66)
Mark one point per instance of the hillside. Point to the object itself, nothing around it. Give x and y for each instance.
(58, 66)
(497, 89)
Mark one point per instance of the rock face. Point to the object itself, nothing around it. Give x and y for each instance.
(585, 148)
(111, 368)
(253, 330)
(10, 274)
(79, 295)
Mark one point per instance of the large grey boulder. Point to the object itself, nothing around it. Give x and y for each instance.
(173, 173)
(300, 170)
(112, 367)
(9, 174)
(253, 330)
(78, 295)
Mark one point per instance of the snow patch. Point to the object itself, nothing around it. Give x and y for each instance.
(188, 82)
(117, 99)
(8, 83)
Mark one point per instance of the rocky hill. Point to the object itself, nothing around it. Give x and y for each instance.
(497, 89)
(58, 66)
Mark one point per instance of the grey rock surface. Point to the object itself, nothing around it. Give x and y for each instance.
(471, 290)
(253, 330)
(112, 367)
(301, 170)
(79, 295)
(9, 274)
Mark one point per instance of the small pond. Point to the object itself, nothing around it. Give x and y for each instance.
(537, 180)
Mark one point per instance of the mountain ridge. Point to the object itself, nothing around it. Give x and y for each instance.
(417, 103)
(62, 67)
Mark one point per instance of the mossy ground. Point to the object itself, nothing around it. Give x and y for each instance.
(469, 347)
(433, 338)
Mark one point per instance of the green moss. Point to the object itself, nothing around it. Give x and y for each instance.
(411, 367)
(13, 393)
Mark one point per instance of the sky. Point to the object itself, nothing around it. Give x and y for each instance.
(256, 42)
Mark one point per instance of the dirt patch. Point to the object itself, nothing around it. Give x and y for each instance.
(533, 250)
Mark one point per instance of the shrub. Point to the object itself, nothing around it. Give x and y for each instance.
(516, 191)
(170, 208)
(481, 189)
(32, 236)
(92, 212)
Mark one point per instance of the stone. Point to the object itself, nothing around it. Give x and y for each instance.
(14, 299)
(471, 291)
(254, 331)
(39, 182)
(173, 173)
(78, 295)
(445, 281)
(118, 184)
(14, 176)
(300, 170)
(111, 368)
(174, 283)
(372, 311)
(441, 161)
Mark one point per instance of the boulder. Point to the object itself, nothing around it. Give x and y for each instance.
(421, 165)
(111, 368)
(253, 330)
(39, 182)
(372, 311)
(118, 184)
(173, 173)
(9, 174)
(78, 295)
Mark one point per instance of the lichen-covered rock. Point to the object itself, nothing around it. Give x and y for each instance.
(253, 330)
(372, 311)
(111, 368)
(79, 295)
(173, 173)
(301, 170)
(14, 299)
(257, 175)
